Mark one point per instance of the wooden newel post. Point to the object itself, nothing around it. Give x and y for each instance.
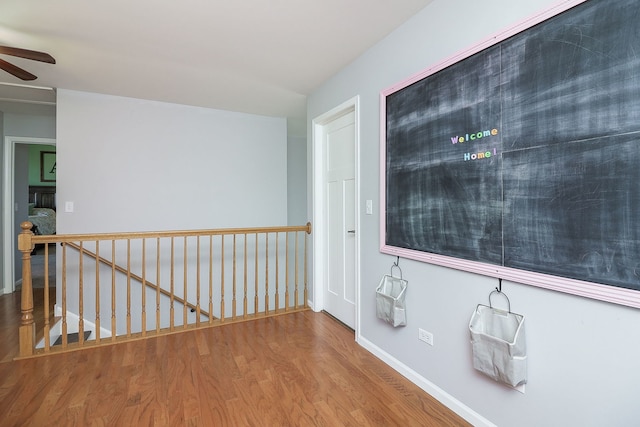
(27, 324)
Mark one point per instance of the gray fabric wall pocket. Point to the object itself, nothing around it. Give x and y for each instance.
(499, 345)
(390, 299)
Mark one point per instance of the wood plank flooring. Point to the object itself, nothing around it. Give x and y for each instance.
(10, 320)
(301, 369)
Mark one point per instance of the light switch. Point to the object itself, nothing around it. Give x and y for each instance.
(369, 207)
(68, 206)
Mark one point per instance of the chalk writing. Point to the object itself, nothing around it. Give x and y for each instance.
(474, 136)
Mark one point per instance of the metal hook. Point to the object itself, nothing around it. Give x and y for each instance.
(504, 295)
(499, 291)
(396, 264)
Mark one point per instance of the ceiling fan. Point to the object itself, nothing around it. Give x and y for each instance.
(23, 53)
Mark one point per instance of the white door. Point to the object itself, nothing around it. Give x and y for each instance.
(340, 227)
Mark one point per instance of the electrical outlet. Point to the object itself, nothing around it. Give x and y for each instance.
(425, 336)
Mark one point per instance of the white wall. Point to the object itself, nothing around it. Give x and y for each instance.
(137, 165)
(584, 364)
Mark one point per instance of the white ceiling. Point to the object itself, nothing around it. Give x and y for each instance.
(255, 56)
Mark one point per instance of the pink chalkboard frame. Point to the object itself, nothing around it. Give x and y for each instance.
(617, 295)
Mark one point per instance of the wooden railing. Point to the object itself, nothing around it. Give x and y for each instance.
(122, 286)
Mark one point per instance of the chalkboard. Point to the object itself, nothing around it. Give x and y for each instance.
(433, 202)
(525, 154)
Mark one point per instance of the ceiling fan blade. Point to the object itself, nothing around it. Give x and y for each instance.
(27, 54)
(16, 71)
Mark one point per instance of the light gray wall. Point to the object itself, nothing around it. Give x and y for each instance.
(584, 368)
(137, 165)
(32, 126)
(297, 171)
(297, 180)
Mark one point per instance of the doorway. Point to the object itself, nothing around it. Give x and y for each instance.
(336, 198)
(9, 229)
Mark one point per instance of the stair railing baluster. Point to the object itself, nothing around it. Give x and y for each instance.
(158, 285)
(234, 300)
(256, 308)
(267, 282)
(245, 282)
(113, 291)
(172, 284)
(286, 273)
(222, 314)
(295, 293)
(81, 295)
(47, 322)
(185, 297)
(143, 319)
(266, 274)
(97, 332)
(277, 285)
(128, 315)
(198, 281)
(64, 296)
(211, 279)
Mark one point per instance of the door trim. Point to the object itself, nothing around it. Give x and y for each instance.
(318, 191)
(8, 200)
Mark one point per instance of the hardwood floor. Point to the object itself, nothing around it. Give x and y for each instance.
(10, 320)
(301, 369)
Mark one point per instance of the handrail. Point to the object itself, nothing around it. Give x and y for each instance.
(214, 268)
(60, 238)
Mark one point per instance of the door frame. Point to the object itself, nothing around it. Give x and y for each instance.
(8, 200)
(319, 203)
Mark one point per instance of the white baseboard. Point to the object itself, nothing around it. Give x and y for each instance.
(313, 306)
(440, 395)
